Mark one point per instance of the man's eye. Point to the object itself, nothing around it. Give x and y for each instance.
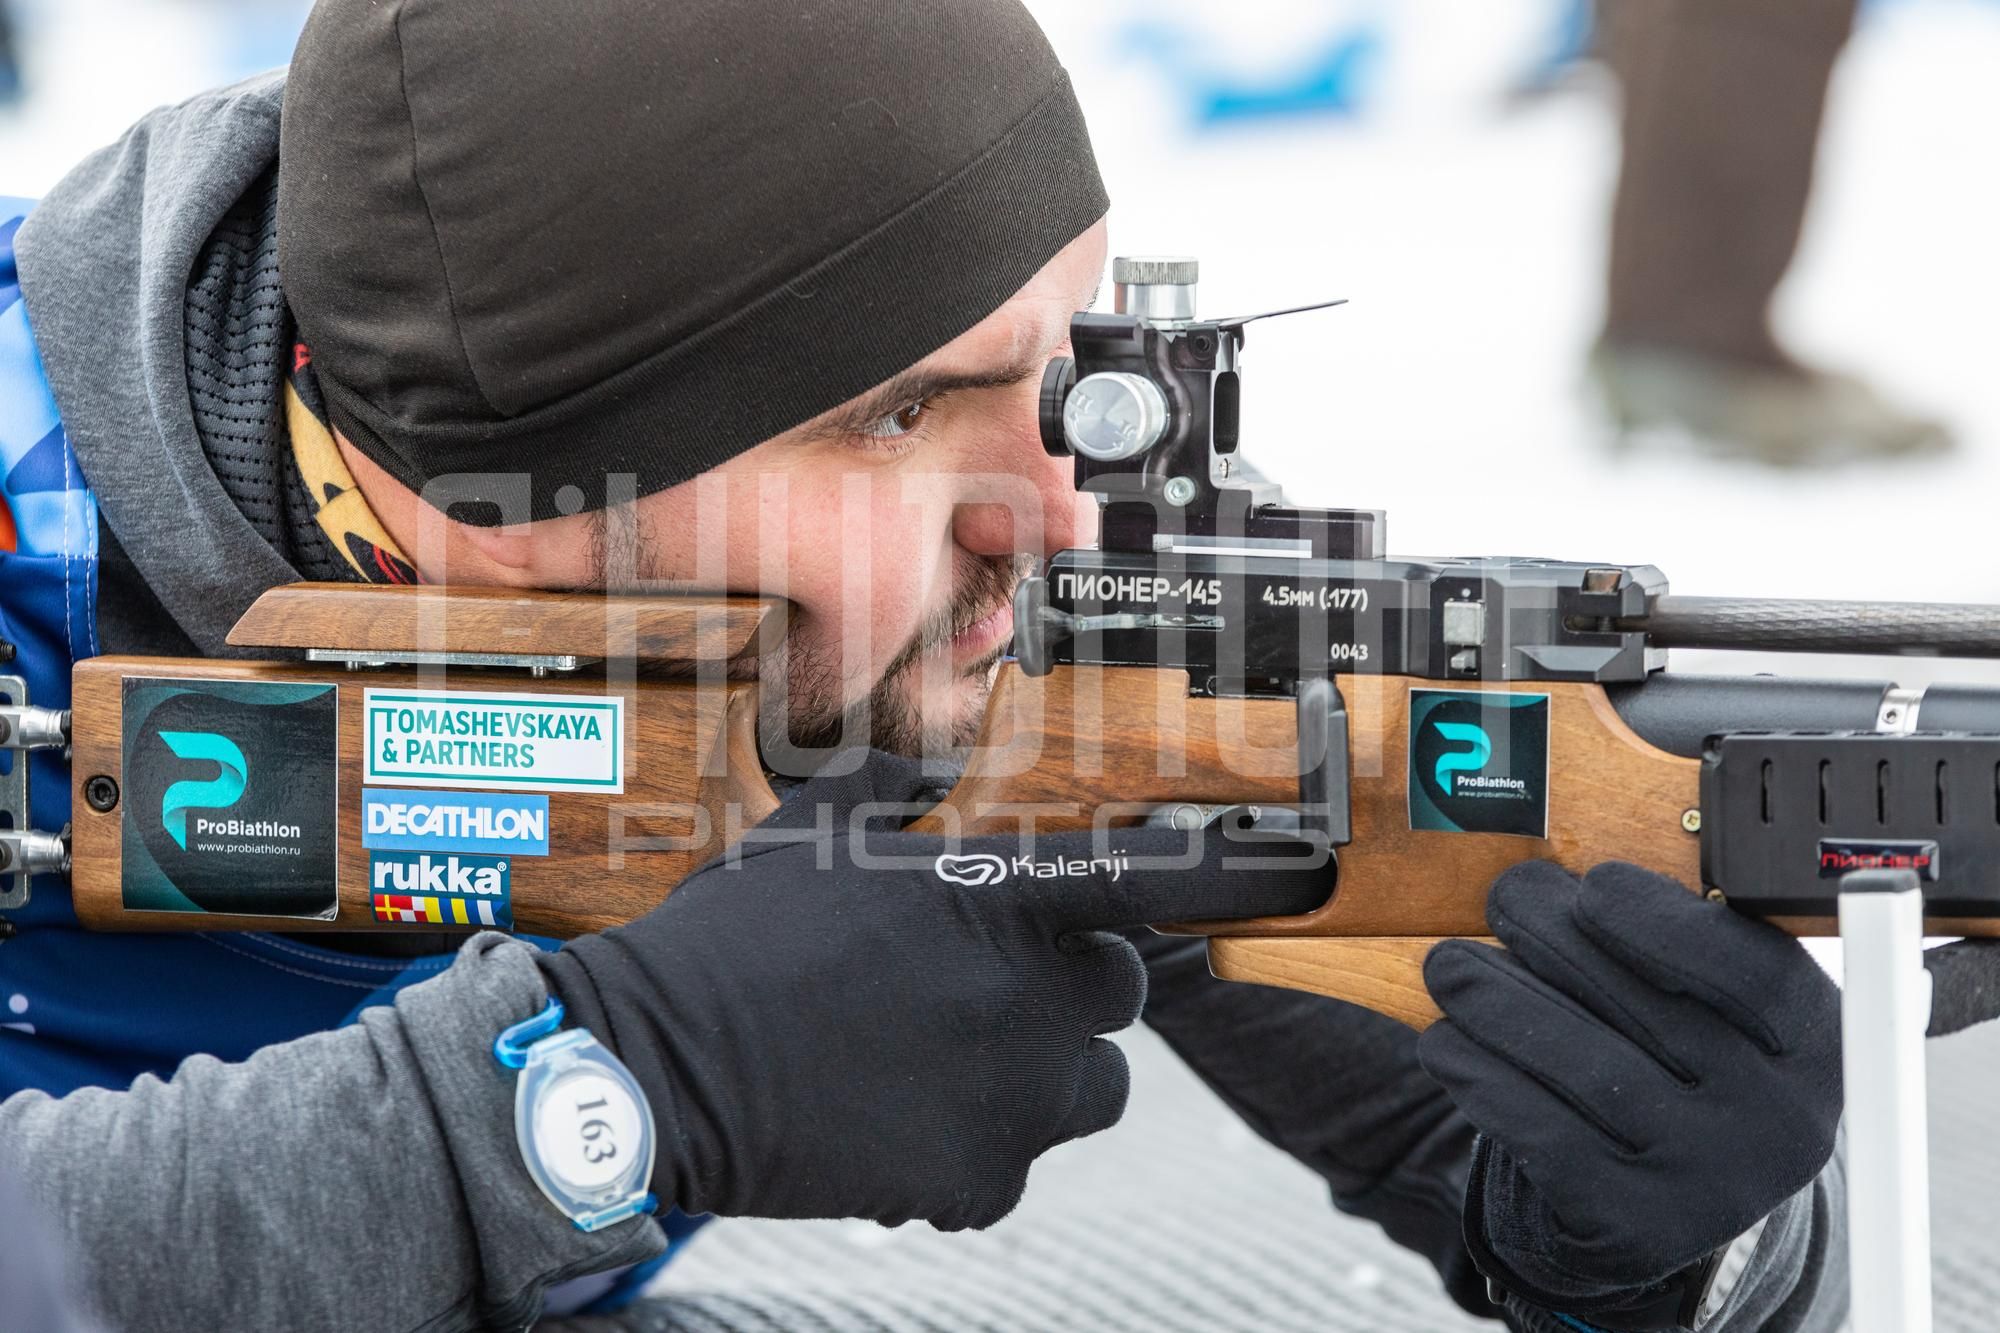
(903, 421)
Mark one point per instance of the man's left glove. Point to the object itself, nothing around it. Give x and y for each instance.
(1651, 1074)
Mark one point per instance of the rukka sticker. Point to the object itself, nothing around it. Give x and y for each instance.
(440, 889)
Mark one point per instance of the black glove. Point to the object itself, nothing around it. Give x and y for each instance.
(1651, 1074)
(1965, 985)
(819, 1039)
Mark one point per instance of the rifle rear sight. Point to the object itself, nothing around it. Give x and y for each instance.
(1202, 564)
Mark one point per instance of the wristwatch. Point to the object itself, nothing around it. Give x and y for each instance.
(582, 1121)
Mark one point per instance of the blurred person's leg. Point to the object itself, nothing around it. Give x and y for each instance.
(10, 68)
(1723, 101)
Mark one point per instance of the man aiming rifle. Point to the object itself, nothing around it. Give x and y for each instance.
(754, 300)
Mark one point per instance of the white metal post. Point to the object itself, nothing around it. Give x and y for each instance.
(1885, 1008)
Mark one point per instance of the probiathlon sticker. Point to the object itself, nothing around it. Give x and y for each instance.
(1479, 762)
(507, 742)
(229, 797)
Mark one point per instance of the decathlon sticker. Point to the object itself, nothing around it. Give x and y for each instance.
(454, 821)
(1479, 762)
(229, 801)
(440, 889)
(506, 742)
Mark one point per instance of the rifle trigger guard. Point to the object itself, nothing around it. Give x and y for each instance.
(1324, 791)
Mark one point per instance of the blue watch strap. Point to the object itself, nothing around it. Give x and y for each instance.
(510, 1048)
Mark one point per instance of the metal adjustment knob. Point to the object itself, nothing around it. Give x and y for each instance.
(29, 728)
(1114, 415)
(1155, 287)
(23, 852)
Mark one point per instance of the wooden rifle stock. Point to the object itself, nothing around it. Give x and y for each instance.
(1084, 737)
(692, 779)
(1078, 746)
(1126, 734)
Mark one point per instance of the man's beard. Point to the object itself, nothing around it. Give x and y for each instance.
(892, 717)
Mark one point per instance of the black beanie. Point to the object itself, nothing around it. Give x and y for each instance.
(566, 239)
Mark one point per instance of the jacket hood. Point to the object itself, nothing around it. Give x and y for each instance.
(104, 262)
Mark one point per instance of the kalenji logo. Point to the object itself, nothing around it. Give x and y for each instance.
(1837, 858)
(979, 868)
(975, 870)
(1112, 865)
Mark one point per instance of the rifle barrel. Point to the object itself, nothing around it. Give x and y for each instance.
(1770, 624)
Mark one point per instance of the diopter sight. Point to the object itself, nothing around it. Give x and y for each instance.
(1149, 406)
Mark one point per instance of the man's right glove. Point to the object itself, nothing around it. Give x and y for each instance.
(823, 1038)
(1651, 1073)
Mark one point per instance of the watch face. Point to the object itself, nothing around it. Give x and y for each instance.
(587, 1129)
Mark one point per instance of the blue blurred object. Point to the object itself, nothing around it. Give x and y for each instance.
(1335, 79)
(33, 1294)
(259, 34)
(1564, 45)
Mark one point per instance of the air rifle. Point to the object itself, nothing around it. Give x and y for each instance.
(555, 764)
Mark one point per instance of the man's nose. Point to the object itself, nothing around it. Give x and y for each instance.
(1032, 508)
